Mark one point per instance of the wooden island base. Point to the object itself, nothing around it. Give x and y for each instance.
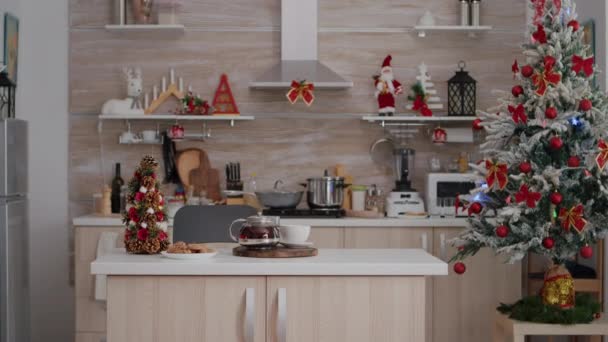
(266, 308)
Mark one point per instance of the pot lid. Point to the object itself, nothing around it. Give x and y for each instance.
(260, 220)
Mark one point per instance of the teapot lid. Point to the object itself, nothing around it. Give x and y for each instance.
(261, 220)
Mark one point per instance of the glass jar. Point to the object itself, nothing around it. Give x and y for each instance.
(257, 232)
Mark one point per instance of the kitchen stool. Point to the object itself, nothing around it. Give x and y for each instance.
(509, 330)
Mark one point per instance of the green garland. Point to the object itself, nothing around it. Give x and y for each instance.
(532, 309)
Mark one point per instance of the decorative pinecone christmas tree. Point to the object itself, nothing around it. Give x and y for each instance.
(144, 232)
(545, 183)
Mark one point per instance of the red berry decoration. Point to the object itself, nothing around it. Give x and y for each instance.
(502, 231)
(574, 161)
(556, 198)
(525, 167)
(551, 113)
(586, 105)
(517, 91)
(527, 71)
(548, 243)
(459, 268)
(574, 24)
(475, 208)
(556, 143)
(586, 252)
(477, 125)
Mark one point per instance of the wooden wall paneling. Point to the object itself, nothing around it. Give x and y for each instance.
(327, 237)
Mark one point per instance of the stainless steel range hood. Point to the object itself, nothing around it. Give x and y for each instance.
(299, 29)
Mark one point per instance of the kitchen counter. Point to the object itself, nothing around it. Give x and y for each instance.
(109, 221)
(336, 262)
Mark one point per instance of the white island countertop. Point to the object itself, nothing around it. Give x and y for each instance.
(329, 262)
(457, 222)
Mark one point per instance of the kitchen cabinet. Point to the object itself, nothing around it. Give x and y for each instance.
(380, 237)
(464, 305)
(345, 309)
(187, 309)
(327, 237)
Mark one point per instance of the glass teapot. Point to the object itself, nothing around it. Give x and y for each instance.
(257, 232)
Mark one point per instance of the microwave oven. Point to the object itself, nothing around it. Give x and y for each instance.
(442, 189)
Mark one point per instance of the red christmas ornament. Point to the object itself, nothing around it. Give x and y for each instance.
(556, 143)
(502, 231)
(142, 234)
(556, 198)
(475, 208)
(574, 161)
(527, 71)
(517, 90)
(548, 242)
(574, 24)
(586, 105)
(551, 113)
(525, 167)
(477, 125)
(459, 268)
(586, 252)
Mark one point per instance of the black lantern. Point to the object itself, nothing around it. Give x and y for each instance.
(7, 96)
(462, 93)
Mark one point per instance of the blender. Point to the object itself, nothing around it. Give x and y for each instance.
(404, 200)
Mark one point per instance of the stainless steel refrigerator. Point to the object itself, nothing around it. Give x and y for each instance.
(14, 273)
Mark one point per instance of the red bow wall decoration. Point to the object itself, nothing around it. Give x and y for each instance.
(497, 174)
(528, 196)
(543, 79)
(602, 157)
(573, 218)
(301, 90)
(518, 114)
(586, 65)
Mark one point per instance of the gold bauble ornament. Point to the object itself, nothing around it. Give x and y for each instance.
(558, 287)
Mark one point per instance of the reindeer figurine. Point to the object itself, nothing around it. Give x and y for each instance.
(132, 104)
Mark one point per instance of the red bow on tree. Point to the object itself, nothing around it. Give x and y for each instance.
(528, 196)
(540, 35)
(303, 90)
(573, 217)
(518, 114)
(543, 79)
(515, 68)
(586, 65)
(420, 104)
(497, 172)
(602, 157)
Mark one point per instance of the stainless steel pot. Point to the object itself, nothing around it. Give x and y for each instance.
(325, 192)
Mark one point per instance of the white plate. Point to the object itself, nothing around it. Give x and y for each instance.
(192, 256)
(297, 245)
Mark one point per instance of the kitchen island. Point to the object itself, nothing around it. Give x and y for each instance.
(340, 295)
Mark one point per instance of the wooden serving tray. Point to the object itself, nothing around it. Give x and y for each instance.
(279, 252)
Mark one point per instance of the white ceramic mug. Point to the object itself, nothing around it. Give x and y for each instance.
(127, 137)
(294, 234)
(149, 136)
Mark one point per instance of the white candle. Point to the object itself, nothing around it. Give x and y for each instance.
(164, 85)
(147, 100)
(189, 88)
(181, 84)
(172, 72)
(154, 93)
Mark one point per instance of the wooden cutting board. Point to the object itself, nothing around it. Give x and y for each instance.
(279, 252)
(194, 170)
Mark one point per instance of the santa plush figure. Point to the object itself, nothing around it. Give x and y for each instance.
(387, 88)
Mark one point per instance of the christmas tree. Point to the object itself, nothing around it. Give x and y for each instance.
(144, 232)
(424, 95)
(545, 183)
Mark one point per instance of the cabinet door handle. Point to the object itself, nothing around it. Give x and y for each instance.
(249, 332)
(424, 239)
(282, 316)
(442, 247)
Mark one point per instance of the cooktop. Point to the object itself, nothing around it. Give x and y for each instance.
(312, 213)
